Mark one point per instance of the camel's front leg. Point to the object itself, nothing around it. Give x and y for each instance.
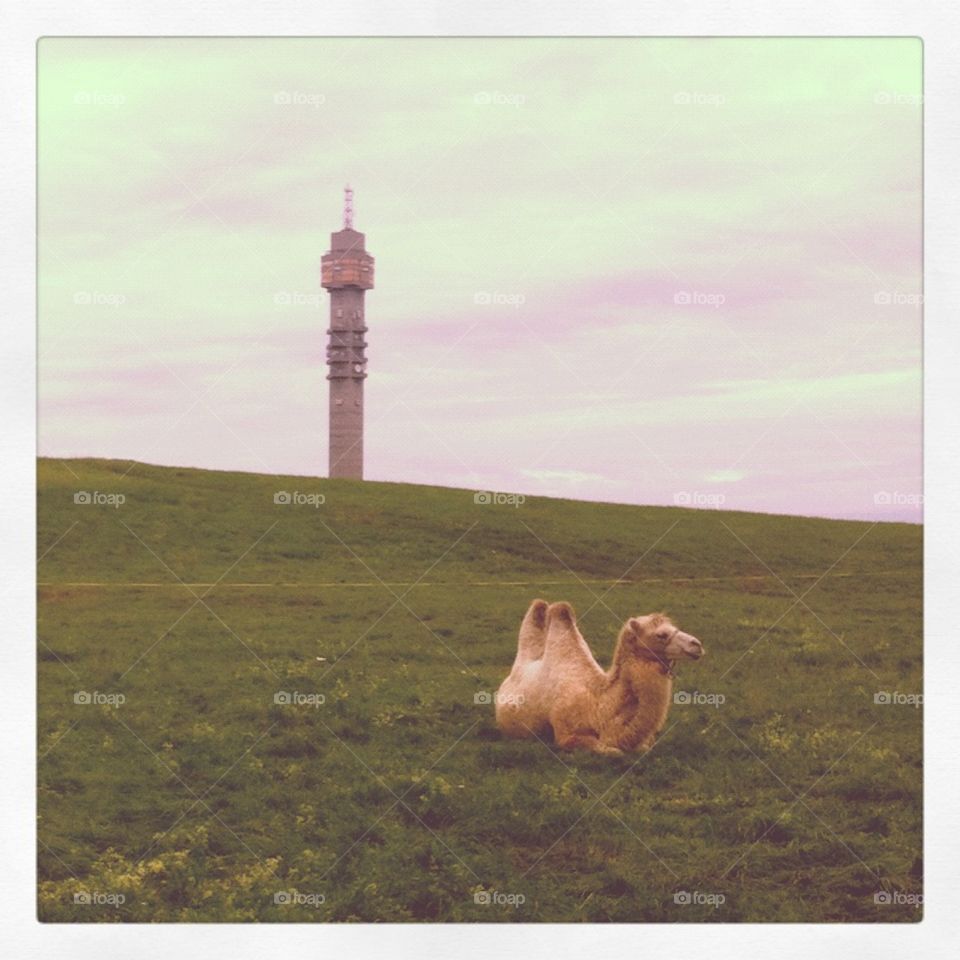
(567, 739)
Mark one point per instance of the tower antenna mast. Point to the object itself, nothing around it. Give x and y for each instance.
(348, 207)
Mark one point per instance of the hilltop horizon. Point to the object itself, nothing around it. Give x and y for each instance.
(719, 508)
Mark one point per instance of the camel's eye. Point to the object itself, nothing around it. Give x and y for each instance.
(662, 636)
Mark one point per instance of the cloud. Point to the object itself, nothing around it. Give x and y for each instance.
(573, 477)
(725, 476)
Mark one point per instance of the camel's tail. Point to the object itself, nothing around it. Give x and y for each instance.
(533, 632)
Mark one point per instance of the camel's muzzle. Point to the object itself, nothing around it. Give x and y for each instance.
(683, 645)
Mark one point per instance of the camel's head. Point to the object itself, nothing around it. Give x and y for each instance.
(654, 637)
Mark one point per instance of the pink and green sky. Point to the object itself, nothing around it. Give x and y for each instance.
(646, 271)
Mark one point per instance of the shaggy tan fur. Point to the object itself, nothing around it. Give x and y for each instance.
(557, 686)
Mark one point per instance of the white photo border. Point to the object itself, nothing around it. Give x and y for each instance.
(935, 22)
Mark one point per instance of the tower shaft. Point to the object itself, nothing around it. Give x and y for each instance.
(346, 358)
(347, 273)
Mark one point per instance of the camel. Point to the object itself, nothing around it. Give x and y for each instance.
(556, 686)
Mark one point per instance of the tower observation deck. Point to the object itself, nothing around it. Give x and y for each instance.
(346, 271)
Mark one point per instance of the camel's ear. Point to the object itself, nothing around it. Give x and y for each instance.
(635, 626)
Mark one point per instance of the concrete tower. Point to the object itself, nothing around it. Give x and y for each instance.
(347, 272)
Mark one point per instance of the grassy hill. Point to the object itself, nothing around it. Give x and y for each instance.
(780, 791)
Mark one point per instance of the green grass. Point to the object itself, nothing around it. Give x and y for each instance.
(199, 798)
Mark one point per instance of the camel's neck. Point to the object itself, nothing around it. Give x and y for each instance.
(637, 699)
(647, 679)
